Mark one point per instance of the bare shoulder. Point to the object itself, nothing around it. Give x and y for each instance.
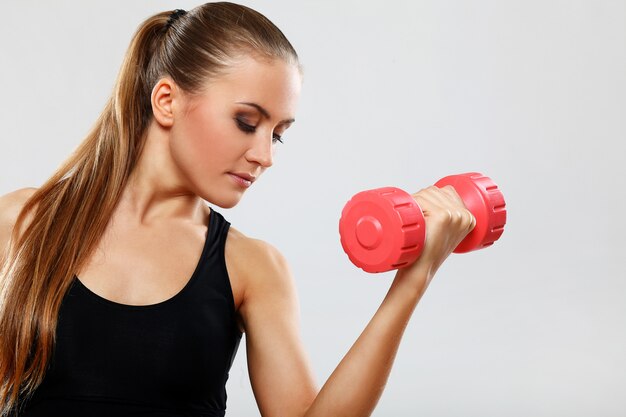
(253, 253)
(10, 206)
(257, 270)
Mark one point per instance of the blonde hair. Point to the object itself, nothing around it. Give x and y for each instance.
(73, 207)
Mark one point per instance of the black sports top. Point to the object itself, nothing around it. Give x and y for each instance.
(166, 359)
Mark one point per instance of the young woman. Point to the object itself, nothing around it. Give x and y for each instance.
(123, 293)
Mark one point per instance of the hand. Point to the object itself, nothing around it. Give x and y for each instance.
(448, 221)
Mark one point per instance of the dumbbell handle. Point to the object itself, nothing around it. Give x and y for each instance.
(384, 228)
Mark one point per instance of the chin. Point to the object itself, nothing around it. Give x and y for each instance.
(228, 205)
(225, 203)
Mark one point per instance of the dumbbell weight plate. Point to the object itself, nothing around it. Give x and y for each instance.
(382, 229)
(482, 197)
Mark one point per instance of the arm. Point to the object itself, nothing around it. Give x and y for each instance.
(279, 371)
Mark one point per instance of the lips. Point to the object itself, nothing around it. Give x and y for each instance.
(245, 176)
(241, 180)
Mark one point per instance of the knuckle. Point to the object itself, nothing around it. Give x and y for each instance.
(449, 188)
(445, 215)
(470, 220)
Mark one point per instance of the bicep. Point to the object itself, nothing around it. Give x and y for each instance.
(279, 369)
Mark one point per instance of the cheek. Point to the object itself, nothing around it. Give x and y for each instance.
(200, 148)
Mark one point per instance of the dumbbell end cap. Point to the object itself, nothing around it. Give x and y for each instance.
(381, 229)
(484, 199)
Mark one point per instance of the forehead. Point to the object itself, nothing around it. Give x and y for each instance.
(275, 85)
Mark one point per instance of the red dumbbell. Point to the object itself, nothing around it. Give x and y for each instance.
(384, 228)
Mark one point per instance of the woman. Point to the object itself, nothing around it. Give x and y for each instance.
(123, 293)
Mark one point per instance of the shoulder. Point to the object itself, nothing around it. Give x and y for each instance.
(11, 204)
(260, 274)
(254, 253)
(10, 207)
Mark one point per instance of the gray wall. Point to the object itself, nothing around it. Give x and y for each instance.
(532, 93)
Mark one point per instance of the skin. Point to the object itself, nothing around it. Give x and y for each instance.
(158, 228)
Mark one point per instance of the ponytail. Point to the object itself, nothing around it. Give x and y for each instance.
(71, 211)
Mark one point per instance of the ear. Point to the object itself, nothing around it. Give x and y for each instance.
(165, 96)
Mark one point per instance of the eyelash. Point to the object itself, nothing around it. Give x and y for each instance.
(246, 128)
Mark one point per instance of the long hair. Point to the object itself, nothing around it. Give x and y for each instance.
(73, 207)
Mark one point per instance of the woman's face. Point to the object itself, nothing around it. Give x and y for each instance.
(234, 127)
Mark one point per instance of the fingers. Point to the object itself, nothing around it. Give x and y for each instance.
(445, 204)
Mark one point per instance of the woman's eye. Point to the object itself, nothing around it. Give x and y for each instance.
(245, 126)
(277, 138)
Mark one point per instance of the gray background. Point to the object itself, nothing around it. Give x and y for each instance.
(531, 93)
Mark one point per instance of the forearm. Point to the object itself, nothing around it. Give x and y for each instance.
(357, 383)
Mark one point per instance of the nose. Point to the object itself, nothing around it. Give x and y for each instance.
(261, 150)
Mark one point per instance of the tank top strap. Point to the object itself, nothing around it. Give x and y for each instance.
(212, 271)
(218, 229)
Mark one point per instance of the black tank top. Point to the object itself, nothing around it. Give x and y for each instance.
(167, 359)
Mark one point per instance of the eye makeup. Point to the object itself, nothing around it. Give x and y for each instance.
(249, 129)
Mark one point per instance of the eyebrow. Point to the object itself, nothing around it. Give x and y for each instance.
(264, 112)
